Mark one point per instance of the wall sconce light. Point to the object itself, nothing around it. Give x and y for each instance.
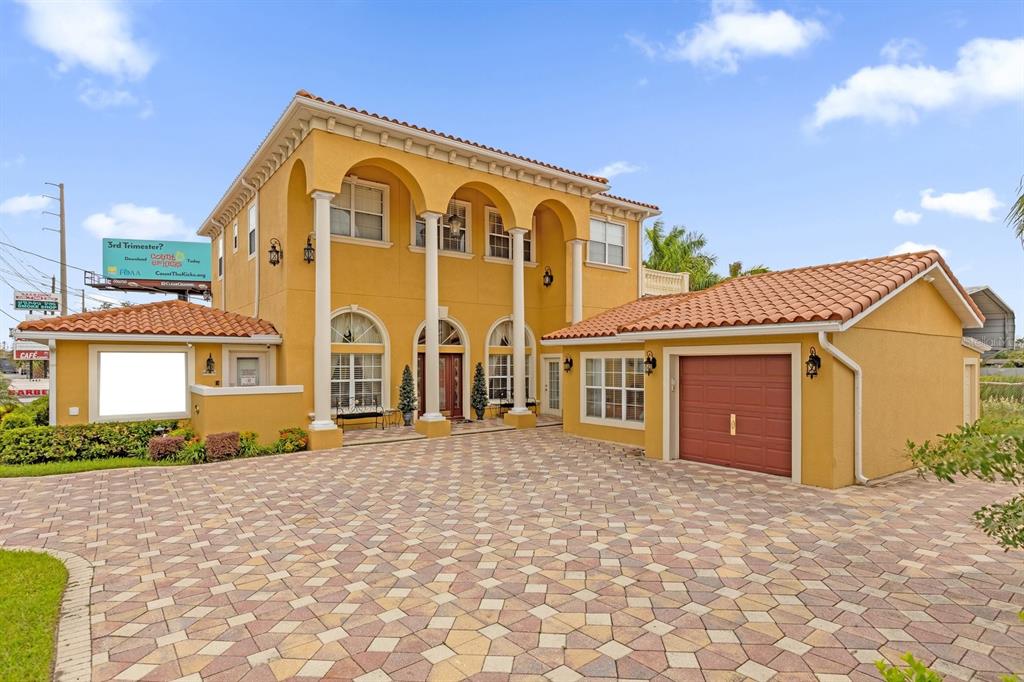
(813, 364)
(211, 366)
(276, 252)
(207, 296)
(548, 277)
(567, 364)
(650, 363)
(309, 252)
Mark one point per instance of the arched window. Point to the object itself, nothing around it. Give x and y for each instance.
(357, 378)
(447, 334)
(499, 361)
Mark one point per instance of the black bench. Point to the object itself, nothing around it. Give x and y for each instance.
(372, 411)
(506, 402)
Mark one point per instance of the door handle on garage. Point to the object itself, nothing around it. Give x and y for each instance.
(732, 425)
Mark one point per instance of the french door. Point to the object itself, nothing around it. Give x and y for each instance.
(551, 386)
(449, 381)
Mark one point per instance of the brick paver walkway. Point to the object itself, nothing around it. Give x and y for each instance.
(530, 554)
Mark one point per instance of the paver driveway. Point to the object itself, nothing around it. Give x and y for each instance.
(530, 553)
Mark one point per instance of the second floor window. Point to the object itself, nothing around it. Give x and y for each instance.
(234, 237)
(607, 243)
(360, 210)
(220, 257)
(252, 230)
(449, 239)
(499, 242)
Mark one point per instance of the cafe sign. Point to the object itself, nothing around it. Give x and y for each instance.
(30, 350)
(35, 300)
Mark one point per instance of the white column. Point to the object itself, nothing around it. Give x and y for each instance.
(432, 388)
(577, 280)
(518, 324)
(322, 420)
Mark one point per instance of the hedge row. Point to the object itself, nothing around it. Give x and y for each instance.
(182, 446)
(34, 444)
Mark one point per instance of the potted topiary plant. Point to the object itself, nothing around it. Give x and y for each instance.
(407, 396)
(478, 398)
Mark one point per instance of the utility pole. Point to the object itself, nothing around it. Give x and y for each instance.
(63, 246)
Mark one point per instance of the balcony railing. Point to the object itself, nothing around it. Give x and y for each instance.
(657, 282)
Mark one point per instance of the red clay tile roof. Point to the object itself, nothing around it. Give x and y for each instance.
(172, 318)
(835, 292)
(628, 201)
(308, 95)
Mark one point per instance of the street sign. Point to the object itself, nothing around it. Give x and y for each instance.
(30, 350)
(146, 260)
(35, 300)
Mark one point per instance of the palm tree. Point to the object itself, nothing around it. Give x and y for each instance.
(1016, 216)
(681, 250)
(736, 270)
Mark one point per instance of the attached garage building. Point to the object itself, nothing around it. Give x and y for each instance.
(818, 374)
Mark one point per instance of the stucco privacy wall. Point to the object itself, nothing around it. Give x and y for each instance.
(388, 282)
(911, 353)
(263, 413)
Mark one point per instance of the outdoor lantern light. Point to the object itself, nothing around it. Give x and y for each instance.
(567, 364)
(813, 364)
(454, 221)
(650, 363)
(211, 366)
(207, 296)
(309, 253)
(275, 253)
(548, 277)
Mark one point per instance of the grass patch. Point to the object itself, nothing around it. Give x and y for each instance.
(74, 466)
(1002, 379)
(31, 586)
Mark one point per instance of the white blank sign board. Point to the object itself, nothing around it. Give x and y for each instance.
(142, 383)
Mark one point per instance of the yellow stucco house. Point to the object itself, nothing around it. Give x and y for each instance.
(352, 245)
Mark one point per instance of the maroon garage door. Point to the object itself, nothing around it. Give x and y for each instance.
(734, 410)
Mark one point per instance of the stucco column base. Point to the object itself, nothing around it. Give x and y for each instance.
(521, 421)
(324, 439)
(434, 428)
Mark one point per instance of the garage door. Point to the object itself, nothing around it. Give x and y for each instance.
(735, 411)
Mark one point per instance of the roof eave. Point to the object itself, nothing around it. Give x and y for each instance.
(266, 339)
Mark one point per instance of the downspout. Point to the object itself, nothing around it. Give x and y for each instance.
(858, 395)
(256, 290)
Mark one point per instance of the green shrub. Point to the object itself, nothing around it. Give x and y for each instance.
(17, 419)
(916, 671)
(185, 432)
(33, 444)
(291, 440)
(249, 445)
(193, 452)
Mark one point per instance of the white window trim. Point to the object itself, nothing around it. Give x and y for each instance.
(352, 380)
(531, 357)
(625, 247)
(603, 421)
(234, 238)
(220, 257)
(268, 363)
(385, 240)
(606, 266)
(385, 391)
(531, 262)
(467, 254)
(94, 379)
(668, 366)
(253, 229)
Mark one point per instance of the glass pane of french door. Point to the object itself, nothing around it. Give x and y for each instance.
(554, 385)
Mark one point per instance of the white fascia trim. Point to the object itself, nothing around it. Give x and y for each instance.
(244, 390)
(162, 338)
(442, 141)
(975, 344)
(700, 333)
(587, 341)
(970, 319)
(612, 201)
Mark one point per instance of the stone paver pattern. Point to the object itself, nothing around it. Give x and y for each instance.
(522, 555)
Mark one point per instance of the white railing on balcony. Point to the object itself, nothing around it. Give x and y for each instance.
(656, 282)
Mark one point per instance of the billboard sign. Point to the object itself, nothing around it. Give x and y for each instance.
(30, 350)
(154, 259)
(35, 300)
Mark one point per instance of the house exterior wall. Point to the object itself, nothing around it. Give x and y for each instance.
(264, 414)
(387, 279)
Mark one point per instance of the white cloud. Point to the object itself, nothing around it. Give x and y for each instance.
(15, 162)
(616, 168)
(914, 247)
(103, 98)
(736, 31)
(987, 71)
(135, 222)
(906, 217)
(977, 205)
(95, 34)
(900, 50)
(24, 204)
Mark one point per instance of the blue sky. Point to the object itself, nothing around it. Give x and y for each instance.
(790, 133)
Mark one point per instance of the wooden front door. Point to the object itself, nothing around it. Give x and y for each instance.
(735, 411)
(450, 381)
